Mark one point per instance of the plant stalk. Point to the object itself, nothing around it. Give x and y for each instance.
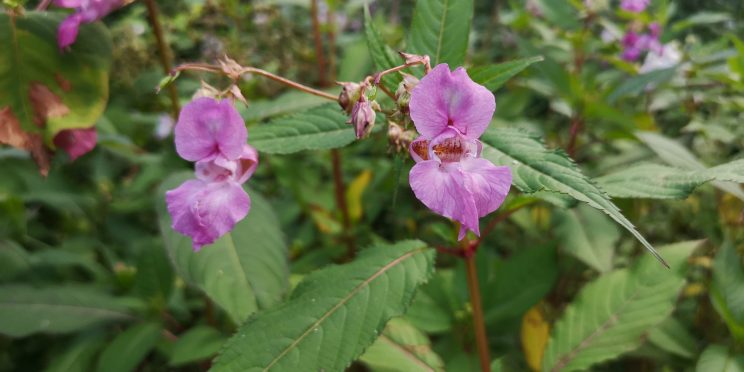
(164, 52)
(340, 192)
(479, 324)
(322, 80)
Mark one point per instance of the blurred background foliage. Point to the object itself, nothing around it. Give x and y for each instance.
(90, 230)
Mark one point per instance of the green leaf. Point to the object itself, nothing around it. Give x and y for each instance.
(401, 348)
(635, 85)
(333, 315)
(440, 29)
(673, 153)
(129, 348)
(517, 284)
(25, 310)
(672, 336)
(588, 235)
(727, 292)
(611, 315)
(435, 304)
(494, 76)
(198, 343)
(14, 260)
(154, 280)
(79, 356)
(663, 182)
(243, 271)
(535, 168)
(718, 358)
(71, 85)
(700, 18)
(382, 55)
(288, 103)
(319, 128)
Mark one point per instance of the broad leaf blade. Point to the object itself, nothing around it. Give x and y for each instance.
(588, 235)
(334, 314)
(494, 76)
(535, 168)
(402, 347)
(26, 310)
(198, 343)
(319, 128)
(243, 271)
(610, 315)
(440, 29)
(129, 348)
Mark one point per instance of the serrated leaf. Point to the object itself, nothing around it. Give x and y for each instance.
(129, 348)
(610, 315)
(34, 72)
(25, 310)
(243, 271)
(440, 29)
(198, 343)
(382, 55)
(320, 128)
(588, 235)
(657, 181)
(401, 348)
(535, 168)
(673, 153)
(718, 358)
(333, 315)
(494, 76)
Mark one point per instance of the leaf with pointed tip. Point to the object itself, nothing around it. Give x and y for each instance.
(243, 271)
(494, 76)
(440, 29)
(535, 168)
(657, 181)
(673, 153)
(334, 313)
(611, 314)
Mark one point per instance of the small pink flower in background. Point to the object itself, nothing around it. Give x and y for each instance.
(212, 134)
(451, 112)
(634, 44)
(634, 6)
(86, 11)
(76, 142)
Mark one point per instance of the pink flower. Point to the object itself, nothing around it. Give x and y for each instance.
(634, 44)
(451, 112)
(212, 134)
(635, 6)
(86, 11)
(76, 142)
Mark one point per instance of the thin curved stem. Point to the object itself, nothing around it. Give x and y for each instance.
(164, 52)
(479, 324)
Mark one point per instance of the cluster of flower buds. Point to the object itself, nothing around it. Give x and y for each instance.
(353, 99)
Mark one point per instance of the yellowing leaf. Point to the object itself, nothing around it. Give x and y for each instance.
(354, 194)
(535, 332)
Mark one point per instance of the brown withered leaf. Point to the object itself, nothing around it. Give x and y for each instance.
(46, 104)
(12, 134)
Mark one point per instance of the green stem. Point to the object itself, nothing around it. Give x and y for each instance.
(164, 52)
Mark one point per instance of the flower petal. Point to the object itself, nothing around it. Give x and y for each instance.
(68, 30)
(442, 190)
(206, 211)
(76, 142)
(208, 127)
(419, 149)
(444, 98)
(248, 162)
(487, 183)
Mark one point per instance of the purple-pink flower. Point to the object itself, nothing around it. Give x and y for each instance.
(451, 112)
(76, 142)
(635, 6)
(635, 44)
(86, 11)
(212, 134)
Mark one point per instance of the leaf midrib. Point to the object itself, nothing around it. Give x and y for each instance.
(343, 301)
(441, 32)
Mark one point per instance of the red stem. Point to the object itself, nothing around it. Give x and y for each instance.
(479, 324)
